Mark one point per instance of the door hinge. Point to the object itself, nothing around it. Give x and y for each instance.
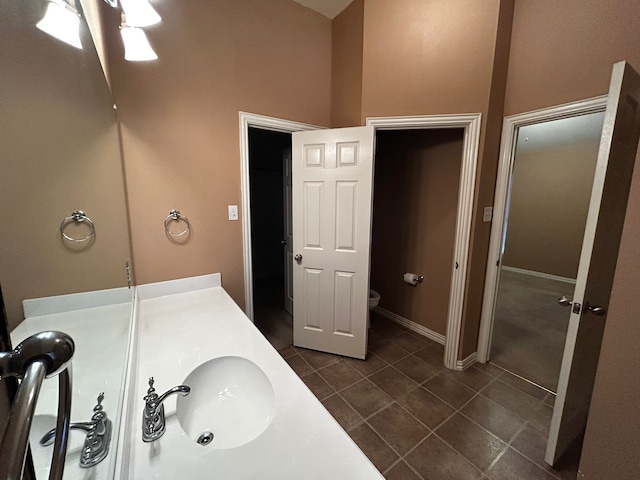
(127, 270)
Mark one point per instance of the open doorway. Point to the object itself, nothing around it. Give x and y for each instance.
(553, 170)
(470, 126)
(269, 151)
(540, 214)
(265, 212)
(416, 189)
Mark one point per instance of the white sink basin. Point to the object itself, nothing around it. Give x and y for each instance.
(231, 403)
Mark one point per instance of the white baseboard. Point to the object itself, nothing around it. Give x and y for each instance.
(533, 273)
(467, 362)
(422, 330)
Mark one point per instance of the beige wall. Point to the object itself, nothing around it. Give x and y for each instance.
(442, 56)
(60, 153)
(346, 66)
(485, 183)
(550, 194)
(416, 61)
(417, 177)
(563, 51)
(612, 439)
(180, 120)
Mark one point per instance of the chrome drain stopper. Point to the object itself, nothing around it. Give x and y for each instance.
(205, 438)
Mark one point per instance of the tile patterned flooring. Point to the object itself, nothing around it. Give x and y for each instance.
(415, 419)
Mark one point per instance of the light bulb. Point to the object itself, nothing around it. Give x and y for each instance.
(62, 23)
(136, 45)
(139, 13)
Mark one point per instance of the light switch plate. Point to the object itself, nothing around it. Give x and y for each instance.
(488, 214)
(233, 212)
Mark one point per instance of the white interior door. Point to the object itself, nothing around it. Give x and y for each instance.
(605, 220)
(288, 235)
(332, 201)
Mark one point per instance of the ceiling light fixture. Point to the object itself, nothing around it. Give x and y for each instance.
(140, 13)
(136, 45)
(133, 15)
(62, 21)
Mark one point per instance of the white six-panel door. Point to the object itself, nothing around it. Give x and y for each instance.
(332, 202)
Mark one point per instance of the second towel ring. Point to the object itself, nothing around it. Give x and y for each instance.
(177, 216)
(79, 217)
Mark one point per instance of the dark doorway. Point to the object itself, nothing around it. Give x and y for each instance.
(267, 151)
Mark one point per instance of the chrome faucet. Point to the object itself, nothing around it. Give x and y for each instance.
(98, 436)
(153, 424)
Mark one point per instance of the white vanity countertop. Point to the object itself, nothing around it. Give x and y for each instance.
(98, 322)
(176, 333)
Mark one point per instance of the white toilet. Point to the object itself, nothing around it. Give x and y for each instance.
(374, 300)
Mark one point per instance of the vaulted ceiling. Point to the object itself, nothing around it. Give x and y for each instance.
(328, 8)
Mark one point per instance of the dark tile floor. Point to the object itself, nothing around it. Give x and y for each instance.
(415, 419)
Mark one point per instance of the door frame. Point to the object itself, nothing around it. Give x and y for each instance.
(471, 141)
(266, 123)
(510, 127)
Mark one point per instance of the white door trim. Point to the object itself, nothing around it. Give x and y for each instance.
(268, 123)
(510, 128)
(471, 125)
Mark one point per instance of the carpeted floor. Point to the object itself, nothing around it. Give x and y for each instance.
(530, 327)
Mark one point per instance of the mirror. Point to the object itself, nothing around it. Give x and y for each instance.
(60, 154)
(553, 168)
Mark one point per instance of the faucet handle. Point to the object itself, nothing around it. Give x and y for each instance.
(151, 395)
(153, 421)
(99, 407)
(98, 436)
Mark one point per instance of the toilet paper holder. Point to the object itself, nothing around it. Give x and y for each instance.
(412, 278)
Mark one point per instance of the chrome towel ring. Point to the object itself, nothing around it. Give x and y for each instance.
(79, 217)
(175, 215)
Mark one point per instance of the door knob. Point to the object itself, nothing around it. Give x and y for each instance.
(564, 301)
(298, 258)
(596, 309)
(283, 242)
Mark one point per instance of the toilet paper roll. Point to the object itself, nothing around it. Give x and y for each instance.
(411, 278)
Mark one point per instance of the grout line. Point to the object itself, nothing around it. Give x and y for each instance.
(397, 360)
(417, 384)
(386, 364)
(345, 387)
(397, 461)
(459, 453)
(459, 411)
(414, 447)
(432, 431)
(475, 392)
(549, 470)
(382, 437)
(520, 430)
(362, 420)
